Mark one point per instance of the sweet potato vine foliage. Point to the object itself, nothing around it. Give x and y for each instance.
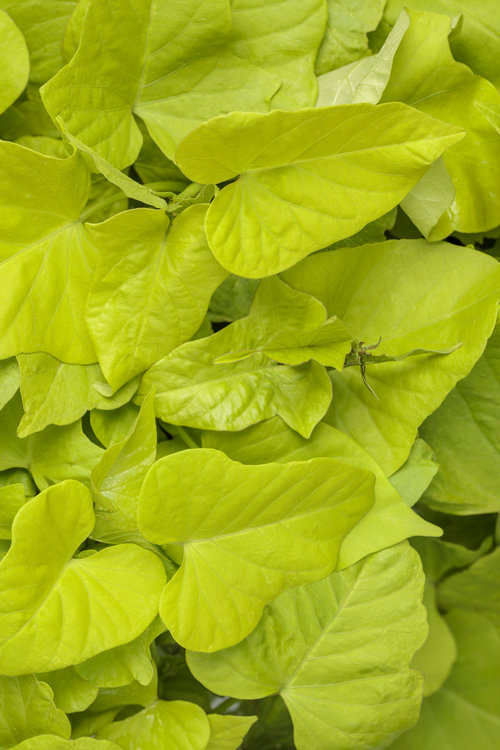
(249, 374)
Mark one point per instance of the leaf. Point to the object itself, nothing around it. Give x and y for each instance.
(50, 742)
(232, 299)
(346, 38)
(236, 527)
(174, 724)
(477, 43)
(193, 390)
(9, 380)
(227, 732)
(411, 294)
(416, 474)
(55, 454)
(435, 658)
(338, 651)
(123, 664)
(474, 589)
(75, 607)
(387, 522)
(27, 708)
(54, 392)
(71, 692)
(463, 433)
(41, 199)
(11, 500)
(465, 710)
(306, 178)
(425, 75)
(170, 86)
(14, 60)
(117, 478)
(131, 694)
(150, 299)
(112, 427)
(42, 23)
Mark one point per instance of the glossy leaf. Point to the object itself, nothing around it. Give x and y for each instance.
(150, 298)
(14, 60)
(463, 432)
(306, 178)
(75, 607)
(337, 651)
(411, 295)
(27, 708)
(237, 526)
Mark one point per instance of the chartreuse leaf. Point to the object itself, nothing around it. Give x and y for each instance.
(338, 651)
(474, 589)
(236, 526)
(132, 693)
(42, 23)
(411, 295)
(123, 664)
(52, 455)
(306, 178)
(74, 607)
(416, 474)
(425, 75)
(346, 38)
(151, 289)
(11, 500)
(435, 658)
(192, 389)
(9, 379)
(117, 478)
(46, 259)
(51, 742)
(387, 522)
(464, 713)
(464, 434)
(27, 708)
(14, 61)
(477, 43)
(113, 426)
(227, 732)
(172, 66)
(174, 724)
(71, 692)
(54, 392)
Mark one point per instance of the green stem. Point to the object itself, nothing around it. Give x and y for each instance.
(187, 438)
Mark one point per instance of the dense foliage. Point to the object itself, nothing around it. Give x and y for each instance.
(249, 374)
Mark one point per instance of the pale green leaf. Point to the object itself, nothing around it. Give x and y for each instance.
(435, 658)
(416, 474)
(465, 713)
(425, 75)
(440, 558)
(117, 478)
(11, 500)
(237, 527)
(54, 392)
(411, 295)
(14, 61)
(71, 692)
(46, 259)
(42, 23)
(133, 693)
(477, 42)
(346, 38)
(27, 708)
(9, 379)
(51, 742)
(45, 144)
(151, 289)
(174, 724)
(433, 194)
(388, 521)
(74, 608)
(227, 732)
(171, 86)
(113, 426)
(192, 389)
(464, 434)
(123, 664)
(52, 455)
(338, 651)
(306, 178)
